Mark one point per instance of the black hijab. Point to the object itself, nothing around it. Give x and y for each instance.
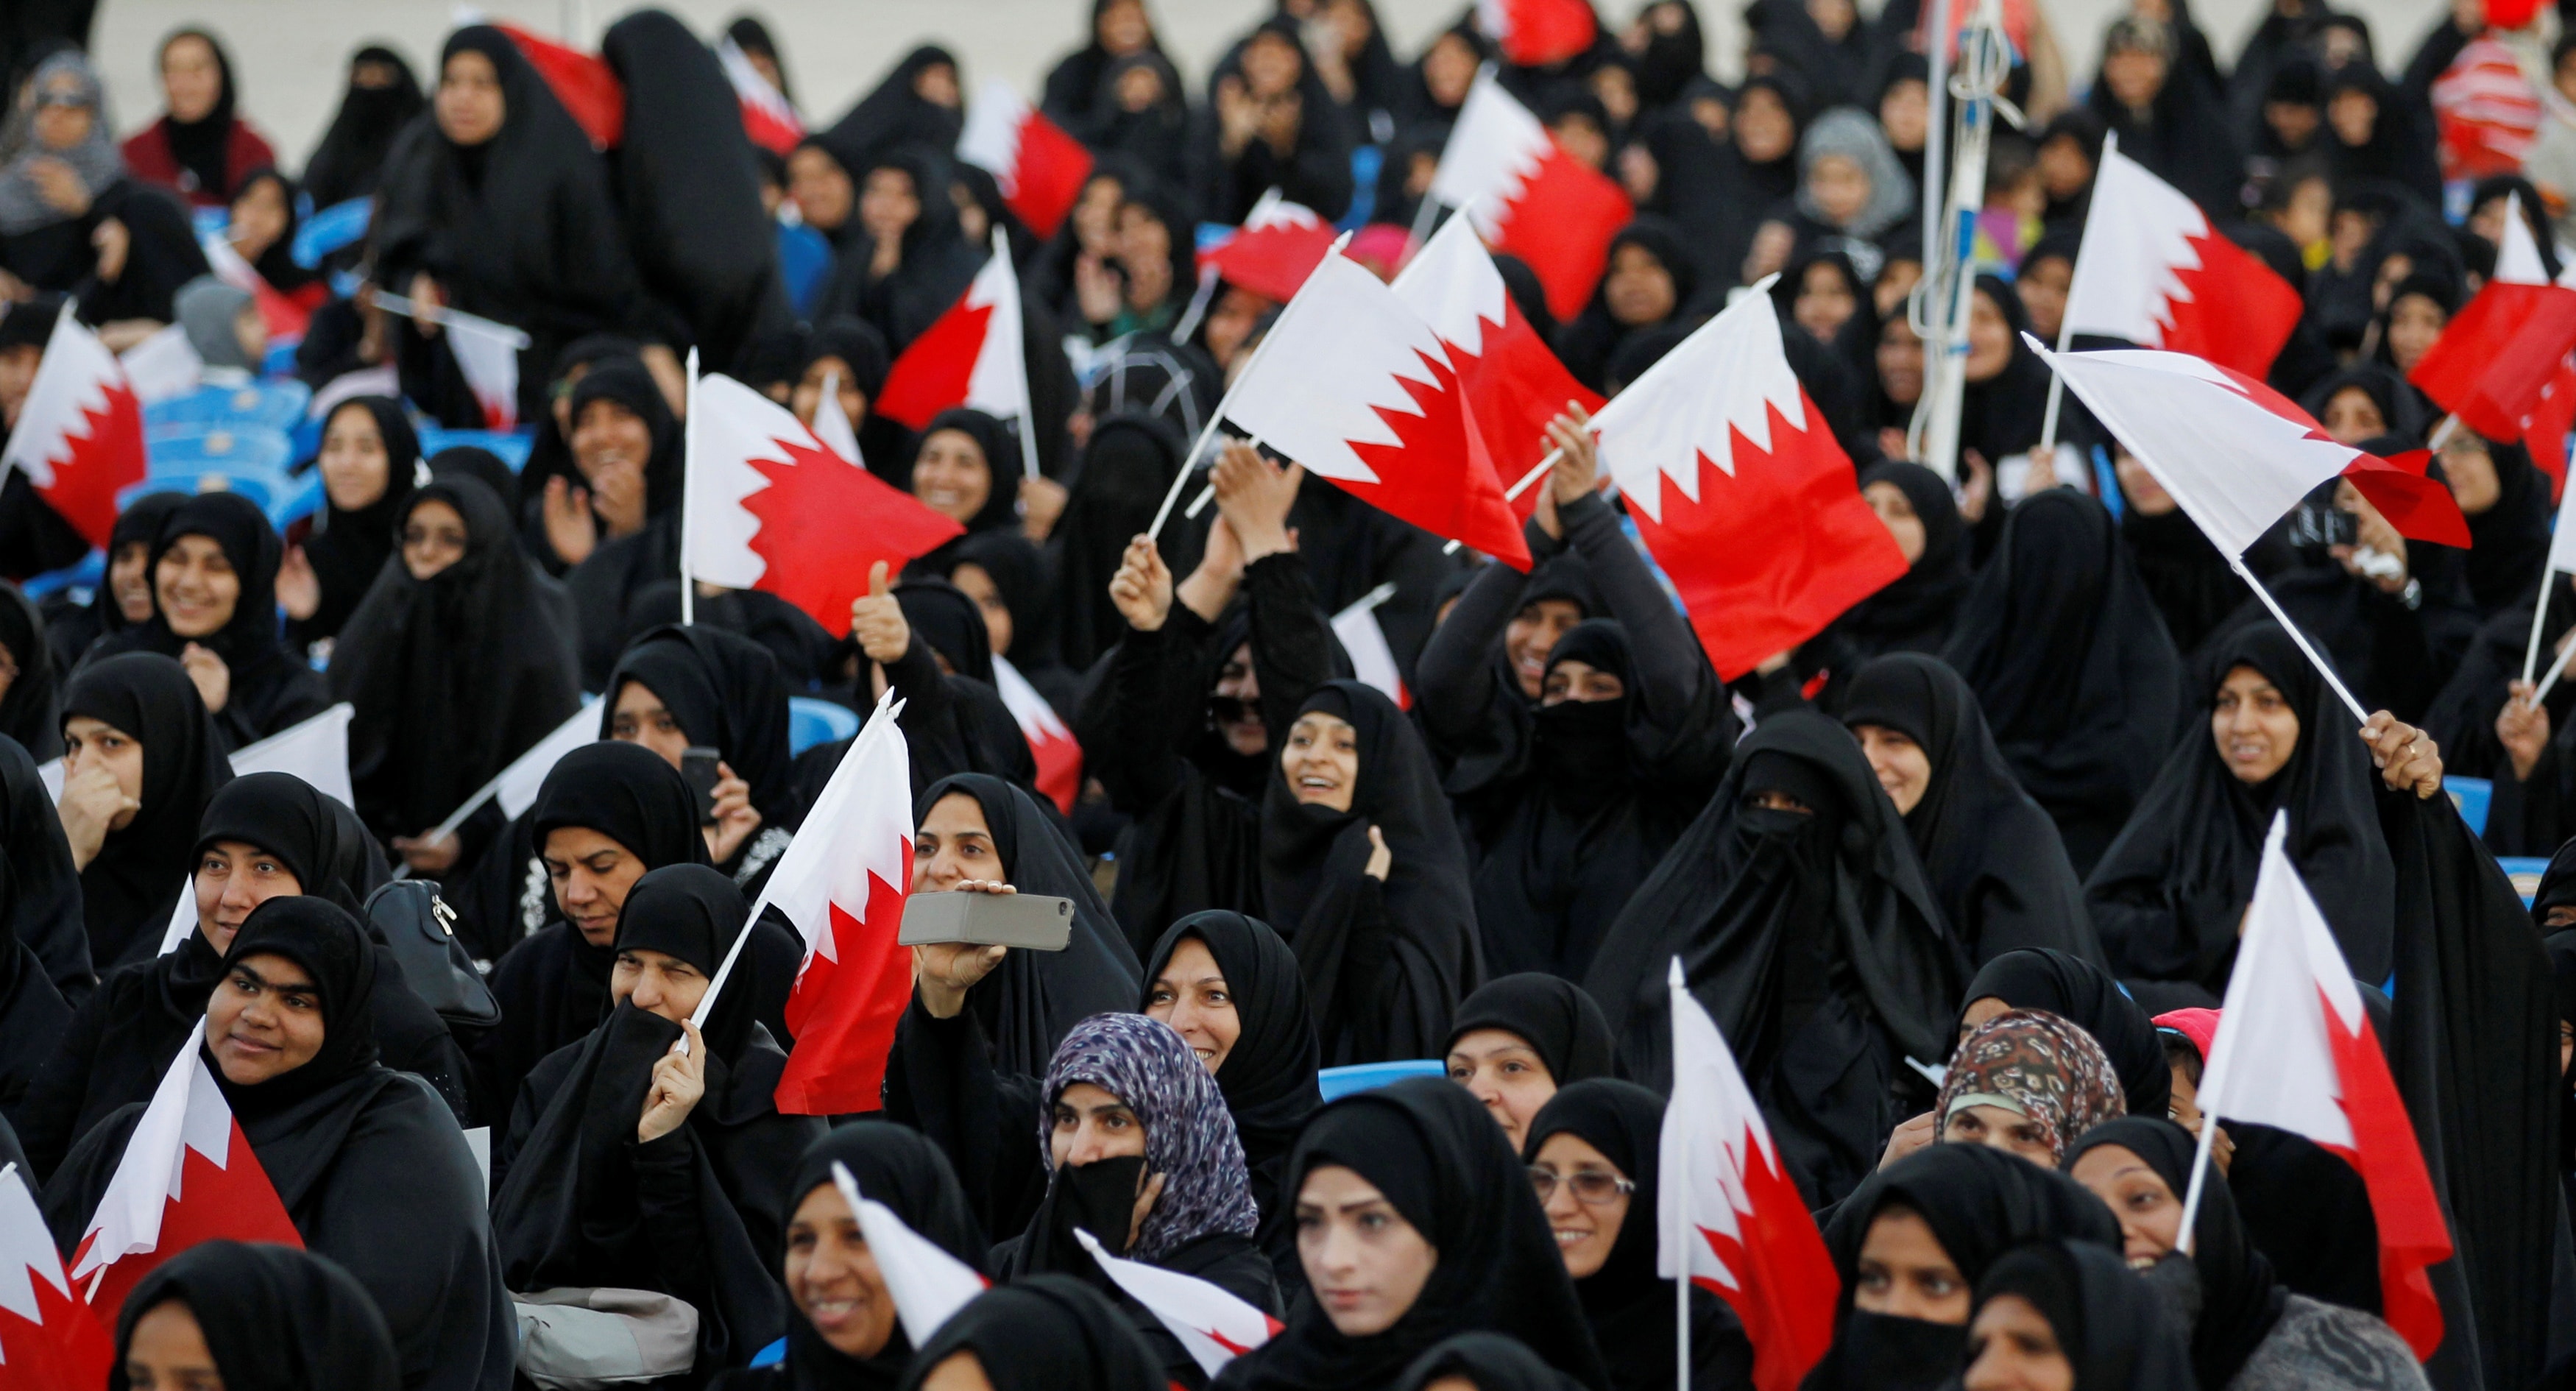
(275, 1318)
(277, 264)
(321, 937)
(2085, 996)
(203, 147)
(453, 676)
(2001, 415)
(626, 382)
(139, 524)
(125, 890)
(2240, 1299)
(1487, 1362)
(1914, 612)
(349, 547)
(1594, 337)
(1992, 853)
(2167, 895)
(726, 692)
(1550, 1014)
(1126, 468)
(1444, 1165)
(41, 889)
(2115, 1331)
(1980, 1203)
(1268, 1077)
(1043, 1333)
(2509, 542)
(352, 154)
(248, 641)
(2071, 663)
(1030, 1000)
(905, 1171)
(31, 712)
(894, 115)
(1319, 899)
(1019, 572)
(937, 261)
(1001, 462)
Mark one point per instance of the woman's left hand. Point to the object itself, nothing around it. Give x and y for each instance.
(2406, 756)
(214, 679)
(1380, 858)
(299, 590)
(679, 1079)
(427, 856)
(736, 817)
(1042, 501)
(1144, 1206)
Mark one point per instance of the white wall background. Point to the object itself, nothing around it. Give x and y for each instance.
(292, 54)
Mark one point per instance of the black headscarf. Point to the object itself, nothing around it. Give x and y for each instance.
(2509, 542)
(627, 793)
(937, 261)
(1268, 1077)
(1552, 1015)
(1328, 910)
(40, 893)
(139, 524)
(2240, 1300)
(1030, 1000)
(1993, 855)
(2167, 896)
(321, 937)
(2113, 1328)
(2001, 415)
(290, 819)
(1001, 463)
(203, 147)
(1444, 1165)
(626, 382)
(126, 891)
(348, 548)
(1913, 613)
(2071, 663)
(2086, 996)
(352, 153)
(275, 1318)
(1126, 468)
(726, 693)
(894, 115)
(481, 465)
(1019, 571)
(453, 676)
(859, 346)
(1594, 337)
(1044, 1333)
(31, 712)
(1980, 1203)
(2400, 409)
(1629, 1307)
(1738, 900)
(905, 1171)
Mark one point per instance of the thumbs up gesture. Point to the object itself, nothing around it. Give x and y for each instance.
(876, 620)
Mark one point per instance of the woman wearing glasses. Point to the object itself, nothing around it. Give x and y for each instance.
(1591, 1154)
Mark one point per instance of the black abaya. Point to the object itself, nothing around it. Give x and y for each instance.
(44, 890)
(725, 693)
(350, 160)
(32, 1011)
(348, 547)
(274, 1319)
(31, 711)
(1045, 1333)
(128, 888)
(1914, 612)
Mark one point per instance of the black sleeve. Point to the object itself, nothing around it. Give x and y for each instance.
(46, 1116)
(1455, 674)
(1292, 644)
(1150, 712)
(1685, 720)
(940, 1080)
(666, 1196)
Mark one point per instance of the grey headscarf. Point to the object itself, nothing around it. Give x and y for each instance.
(1846, 131)
(1189, 1135)
(22, 204)
(206, 308)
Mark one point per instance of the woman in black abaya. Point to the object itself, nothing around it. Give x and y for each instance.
(381, 99)
(618, 522)
(1014, 589)
(1418, 1167)
(1647, 281)
(266, 1316)
(498, 206)
(30, 703)
(1613, 1129)
(1992, 854)
(682, 687)
(2506, 502)
(2072, 1309)
(1119, 29)
(1126, 468)
(369, 465)
(2071, 663)
(368, 1163)
(1914, 612)
(1045, 1333)
(1270, 123)
(2082, 994)
(906, 260)
(2005, 402)
(2169, 893)
(861, 1345)
(43, 886)
(124, 595)
(214, 582)
(130, 875)
(32, 1011)
(1799, 833)
(916, 104)
(628, 1163)
(1519, 1039)
(1914, 1239)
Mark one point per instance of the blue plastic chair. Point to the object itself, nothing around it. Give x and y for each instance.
(2472, 796)
(269, 488)
(771, 1355)
(330, 229)
(195, 449)
(85, 573)
(2525, 873)
(510, 446)
(811, 722)
(1339, 1082)
(274, 405)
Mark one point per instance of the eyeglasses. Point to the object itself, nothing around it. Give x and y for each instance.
(1591, 1186)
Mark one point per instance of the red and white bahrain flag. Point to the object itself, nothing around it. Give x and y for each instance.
(584, 82)
(928, 1284)
(1279, 244)
(2152, 271)
(1739, 489)
(768, 117)
(188, 1176)
(1050, 741)
(969, 356)
(48, 1340)
(2235, 453)
(1514, 384)
(2296, 1051)
(79, 437)
(1535, 33)
(1528, 196)
(1213, 1324)
(842, 887)
(1372, 659)
(1355, 386)
(771, 508)
(1742, 1229)
(1039, 166)
(2502, 363)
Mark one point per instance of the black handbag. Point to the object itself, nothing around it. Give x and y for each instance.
(421, 929)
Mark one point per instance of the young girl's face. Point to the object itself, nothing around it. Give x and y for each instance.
(1841, 187)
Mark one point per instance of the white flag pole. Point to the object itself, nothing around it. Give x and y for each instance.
(2557, 666)
(2324, 670)
(2199, 1176)
(1020, 364)
(2539, 616)
(688, 467)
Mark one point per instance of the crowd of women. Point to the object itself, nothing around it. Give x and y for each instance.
(1962, 879)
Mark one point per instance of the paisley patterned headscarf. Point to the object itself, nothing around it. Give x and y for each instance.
(1189, 1135)
(2038, 1065)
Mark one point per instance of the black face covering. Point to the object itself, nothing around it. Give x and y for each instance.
(1582, 744)
(274, 1319)
(128, 889)
(1887, 1353)
(1098, 1197)
(337, 958)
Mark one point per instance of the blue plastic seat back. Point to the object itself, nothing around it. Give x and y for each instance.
(2472, 796)
(509, 446)
(811, 722)
(1339, 1082)
(267, 487)
(88, 572)
(194, 449)
(2525, 873)
(330, 229)
(274, 405)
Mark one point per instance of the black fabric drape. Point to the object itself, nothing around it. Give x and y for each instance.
(348, 547)
(1549, 1013)
(1914, 612)
(726, 693)
(895, 114)
(31, 711)
(45, 893)
(350, 160)
(274, 1319)
(2083, 994)
(1045, 1333)
(32, 1012)
(127, 890)
(2112, 1328)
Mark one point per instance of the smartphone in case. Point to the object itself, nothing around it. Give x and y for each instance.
(698, 770)
(1035, 922)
